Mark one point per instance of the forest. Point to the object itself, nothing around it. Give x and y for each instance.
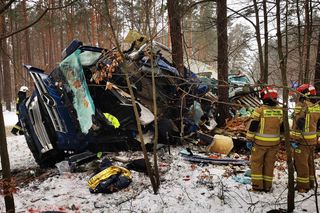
(188, 77)
(32, 34)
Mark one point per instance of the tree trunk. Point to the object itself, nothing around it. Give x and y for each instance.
(258, 38)
(1, 80)
(1, 75)
(18, 55)
(54, 30)
(93, 27)
(50, 37)
(300, 77)
(44, 52)
(190, 35)
(28, 57)
(223, 94)
(61, 29)
(283, 68)
(100, 31)
(7, 91)
(154, 99)
(14, 56)
(26, 33)
(317, 67)
(134, 104)
(5, 164)
(70, 27)
(111, 5)
(163, 32)
(307, 40)
(266, 43)
(175, 33)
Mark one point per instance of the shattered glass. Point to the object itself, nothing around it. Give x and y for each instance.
(197, 112)
(88, 58)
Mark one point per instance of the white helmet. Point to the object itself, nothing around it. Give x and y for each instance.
(23, 89)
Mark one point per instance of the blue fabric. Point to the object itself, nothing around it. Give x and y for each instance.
(247, 173)
(162, 64)
(249, 145)
(294, 145)
(242, 179)
(202, 89)
(190, 126)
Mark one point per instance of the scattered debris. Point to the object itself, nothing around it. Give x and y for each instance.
(214, 159)
(109, 178)
(68, 114)
(63, 167)
(237, 125)
(138, 165)
(221, 144)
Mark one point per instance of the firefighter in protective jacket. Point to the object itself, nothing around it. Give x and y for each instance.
(264, 132)
(305, 126)
(22, 94)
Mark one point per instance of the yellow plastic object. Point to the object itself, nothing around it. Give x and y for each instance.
(105, 174)
(135, 36)
(221, 144)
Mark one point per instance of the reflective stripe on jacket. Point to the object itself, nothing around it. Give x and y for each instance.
(270, 119)
(310, 114)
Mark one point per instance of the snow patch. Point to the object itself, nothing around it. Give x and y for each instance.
(10, 118)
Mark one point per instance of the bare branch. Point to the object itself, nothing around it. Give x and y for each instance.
(37, 20)
(5, 7)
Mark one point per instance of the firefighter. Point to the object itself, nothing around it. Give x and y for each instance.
(303, 134)
(264, 132)
(22, 94)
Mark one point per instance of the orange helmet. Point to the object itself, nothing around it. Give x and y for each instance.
(268, 93)
(307, 90)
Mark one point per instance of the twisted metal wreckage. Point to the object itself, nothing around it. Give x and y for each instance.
(82, 104)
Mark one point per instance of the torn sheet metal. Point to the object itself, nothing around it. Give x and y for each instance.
(146, 115)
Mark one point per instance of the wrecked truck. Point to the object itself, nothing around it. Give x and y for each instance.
(67, 113)
(83, 105)
(242, 92)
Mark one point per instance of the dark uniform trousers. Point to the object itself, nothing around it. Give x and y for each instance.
(17, 128)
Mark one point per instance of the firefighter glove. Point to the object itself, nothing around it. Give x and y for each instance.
(294, 144)
(249, 145)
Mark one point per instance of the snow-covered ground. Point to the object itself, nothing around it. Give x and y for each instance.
(185, 187)
(10, 118)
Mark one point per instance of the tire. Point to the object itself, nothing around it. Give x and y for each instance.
(49, 159)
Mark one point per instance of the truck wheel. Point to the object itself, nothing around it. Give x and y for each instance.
(49, 159)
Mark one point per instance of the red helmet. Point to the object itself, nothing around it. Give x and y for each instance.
(307, 90)
(268, 93)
